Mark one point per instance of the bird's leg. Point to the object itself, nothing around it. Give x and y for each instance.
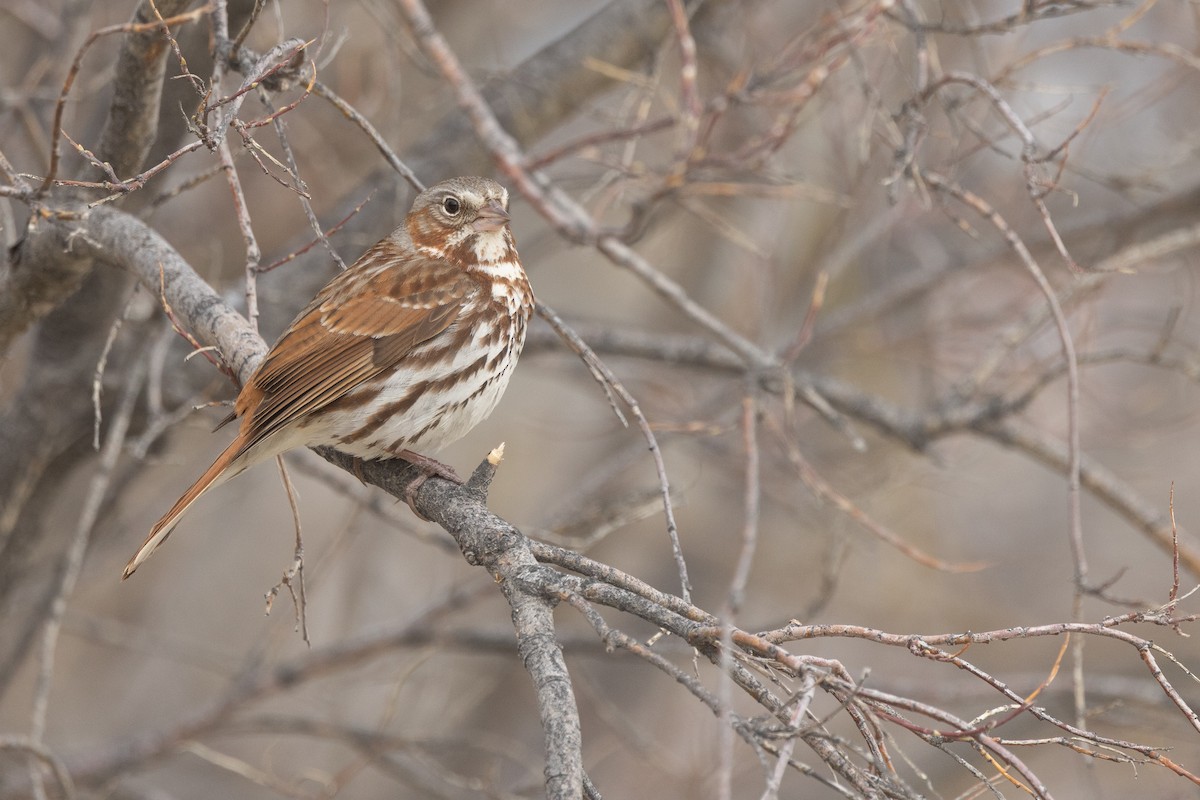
(429, 467)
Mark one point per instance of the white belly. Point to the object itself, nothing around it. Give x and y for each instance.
(429, 410)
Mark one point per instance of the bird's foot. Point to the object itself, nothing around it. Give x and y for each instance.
(429, 467)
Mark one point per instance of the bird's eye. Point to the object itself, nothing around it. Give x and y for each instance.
(452, 205)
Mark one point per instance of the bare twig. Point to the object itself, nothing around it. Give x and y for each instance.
(73, 72)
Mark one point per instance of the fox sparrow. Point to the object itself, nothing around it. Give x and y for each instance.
(407, 350)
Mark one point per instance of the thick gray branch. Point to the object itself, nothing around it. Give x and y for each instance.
(488, 541)
(118, 239)
(41, 274)
(132, 125)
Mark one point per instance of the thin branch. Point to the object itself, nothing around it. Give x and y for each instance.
(95, 498)
(610, 383)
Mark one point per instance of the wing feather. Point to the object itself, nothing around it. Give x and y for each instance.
(364, 323)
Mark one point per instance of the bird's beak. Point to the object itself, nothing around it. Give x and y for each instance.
(492, 217)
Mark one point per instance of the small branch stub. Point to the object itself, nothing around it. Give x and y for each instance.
(481, 479)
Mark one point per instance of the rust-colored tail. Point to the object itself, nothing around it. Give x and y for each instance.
(215, 475)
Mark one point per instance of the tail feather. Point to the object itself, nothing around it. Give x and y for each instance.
(221, 470)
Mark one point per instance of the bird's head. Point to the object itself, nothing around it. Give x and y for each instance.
(464, 220)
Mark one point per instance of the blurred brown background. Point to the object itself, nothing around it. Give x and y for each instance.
(927, 312)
